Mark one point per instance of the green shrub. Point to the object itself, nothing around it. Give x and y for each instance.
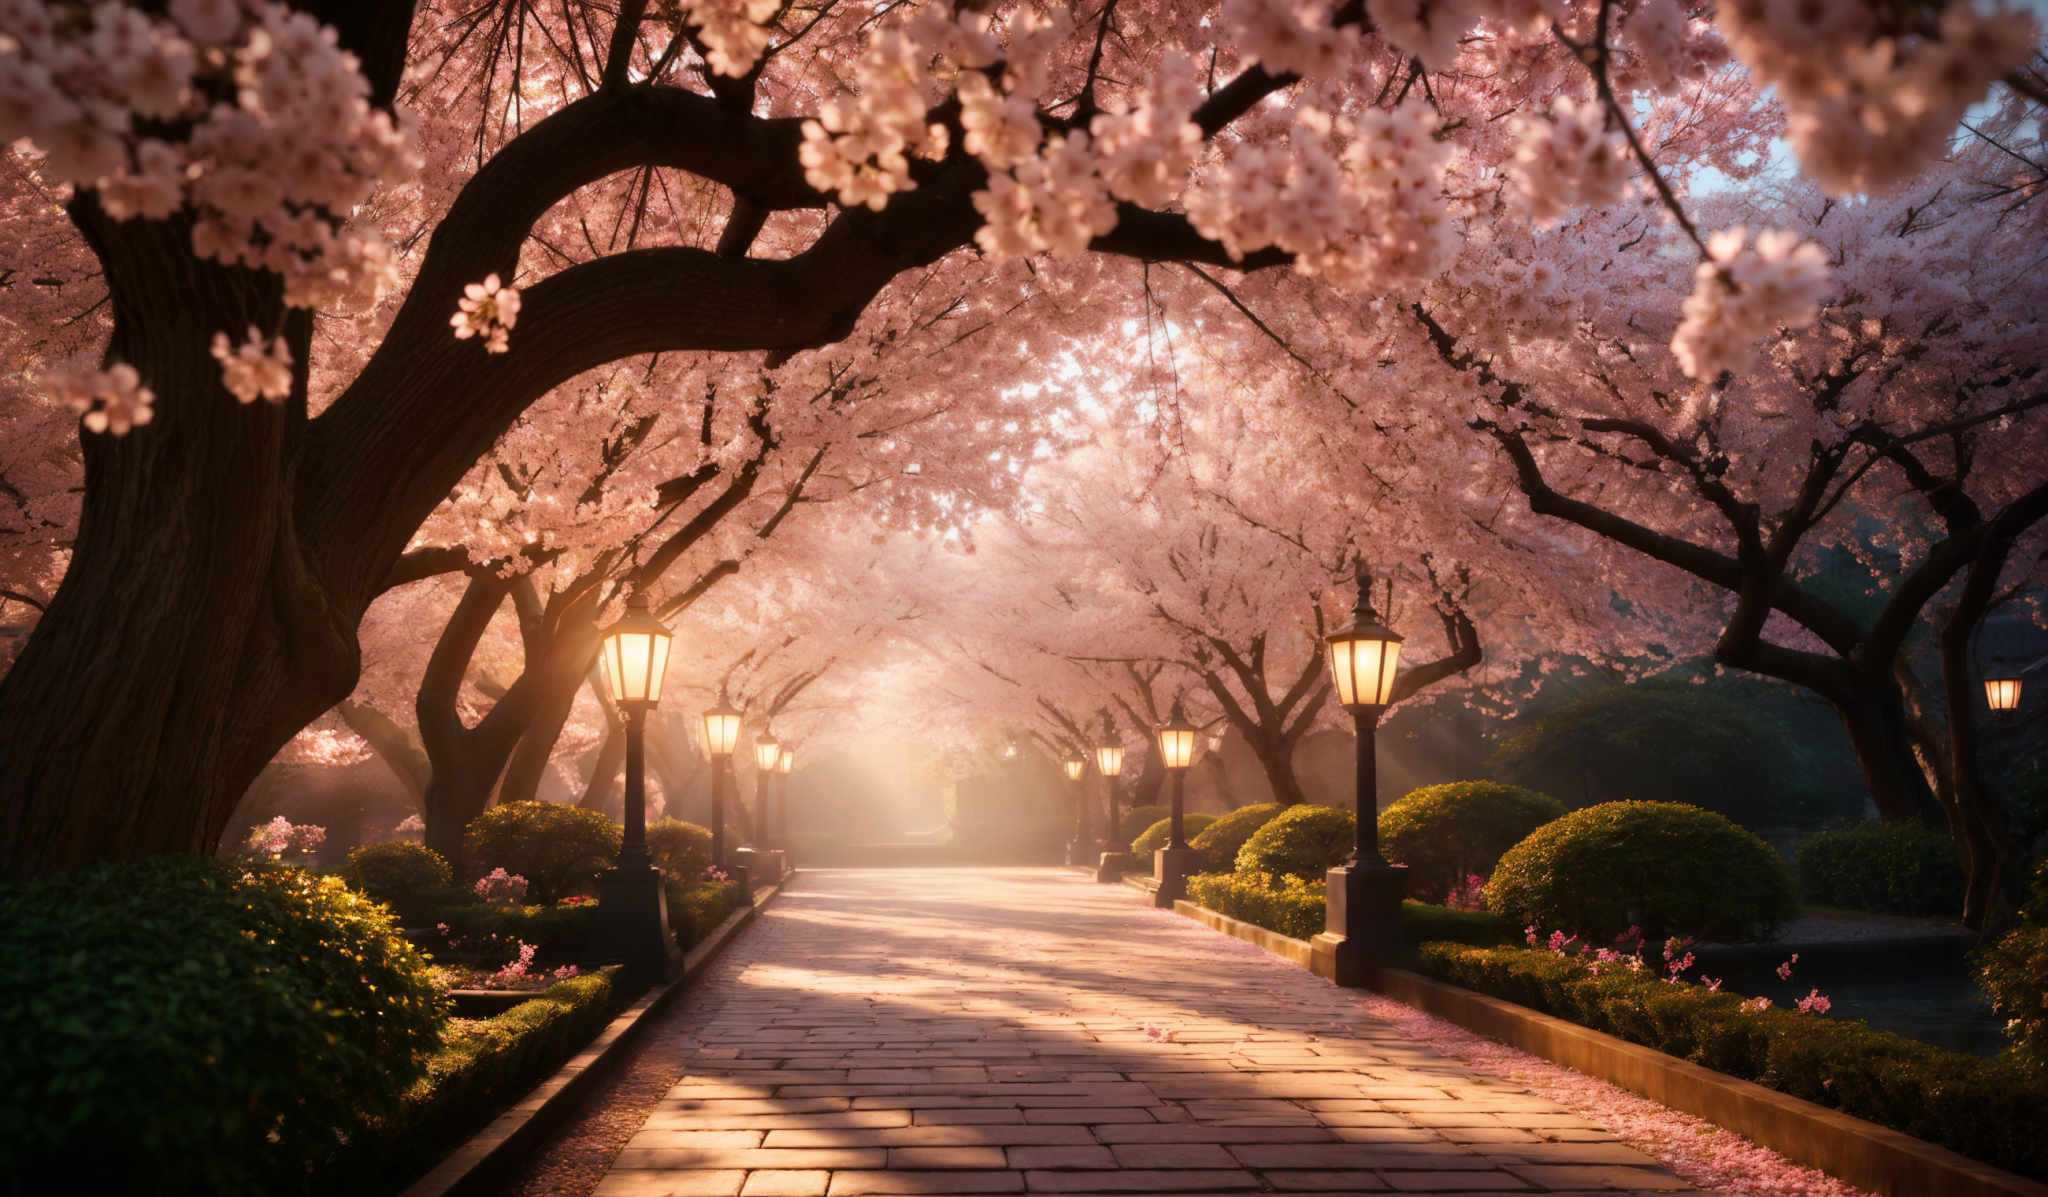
(1133, 822)
(1223, 838)
(1286, 904)
(489, 935)
(1670, 869)
(1445, 833)
(557, 848)
(1423, 923)
(1989, 1110)
(695, 908)
(2014, 974)
(484, 1065)
(1896, 868)
(1305, 841)
(1153, 838)
(186, 1026)
(410, 878)
(680, 849)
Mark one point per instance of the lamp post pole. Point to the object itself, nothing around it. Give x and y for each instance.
(1362, 909)
(1172, 864)
(1109, 761)
(632, 906)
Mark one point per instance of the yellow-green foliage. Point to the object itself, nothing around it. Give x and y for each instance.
(1222, 839)
(1669, 868)
(1445, 833)
(1306, 841)
(1287, 904)
(1153, 838)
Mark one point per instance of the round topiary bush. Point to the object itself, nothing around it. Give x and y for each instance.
(556, 848)
(410, 878)
(1668, 868)
(1303, 840)
(1154, 837)
(1892, 868)
(1227, 835)
(1132, 823)
(1445, 833)
(186, 1026)
(682, 850)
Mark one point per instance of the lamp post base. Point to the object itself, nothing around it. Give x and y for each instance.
(1171, 868)
(1362, 921)
(632, 926)
(745, 862)
(1111, 866)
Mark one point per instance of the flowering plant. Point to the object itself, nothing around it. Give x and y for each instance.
(1469, 894)
(500, 888)
(280, 837)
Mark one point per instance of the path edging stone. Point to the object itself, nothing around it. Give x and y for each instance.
(1862, 1153)
(479, 1164)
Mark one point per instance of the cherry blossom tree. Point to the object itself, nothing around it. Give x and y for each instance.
(236, 168)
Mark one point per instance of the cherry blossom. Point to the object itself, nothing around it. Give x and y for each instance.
(488, 310)
(112, 400)
(253, 370)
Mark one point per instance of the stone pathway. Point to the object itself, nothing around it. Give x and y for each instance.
(955, 1031)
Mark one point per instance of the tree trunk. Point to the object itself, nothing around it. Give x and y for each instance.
(604, 772)
(1877, 735)
(1277, 762)
(399, 749)
(188, 639)
(460, 791)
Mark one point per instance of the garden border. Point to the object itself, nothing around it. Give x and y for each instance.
(1862, 1153)
(480, 1162)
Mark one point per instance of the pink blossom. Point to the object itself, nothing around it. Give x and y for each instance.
(488, 310)
(501, 888)
(253, 371)
(1815, 1002)
(1785, 970)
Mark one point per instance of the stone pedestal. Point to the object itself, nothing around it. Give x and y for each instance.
(632, 927)
(1362, 921)
(745, 864)
(1111, 866)
(1171, 868)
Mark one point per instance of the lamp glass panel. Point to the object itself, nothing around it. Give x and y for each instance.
(1110, 759)
(1075, 767)
(2002, 693)
(766, 754)
(608, 663)
(786, 760)
(657, 668)
(721, 732)
(1176, 746)
(1363, 670)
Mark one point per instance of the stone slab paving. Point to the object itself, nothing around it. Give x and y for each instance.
(954, 1031)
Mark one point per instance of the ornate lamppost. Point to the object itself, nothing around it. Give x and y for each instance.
(1362, 921)
(721, 734)
(1172, 864)
(632, 907)
(1109, 761)
(1082, 848)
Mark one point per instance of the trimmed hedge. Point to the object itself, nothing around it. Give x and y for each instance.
(185, 1026)
(1223, 839)
(1446, 832)
(484, 1066)
(1306, 841)
(1153, 838)
(1423, 923)
(1989, 1110)
(412, 879)
(682, 850)
(558, 932)
(1668, 868)
(1286, 904)
(1133, 822)
(695, 908)
(1893, 868)
(2014, 974)
(557, 848)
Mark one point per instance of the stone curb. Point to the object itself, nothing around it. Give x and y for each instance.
(480, 1163)
(1862, 1153)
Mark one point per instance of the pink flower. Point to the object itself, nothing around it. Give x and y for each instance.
(1785, 969)
(487, 309)
(501, 888)
(1713, 984)
(1815, 1002)
(1559, 942)
(1529, 934)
